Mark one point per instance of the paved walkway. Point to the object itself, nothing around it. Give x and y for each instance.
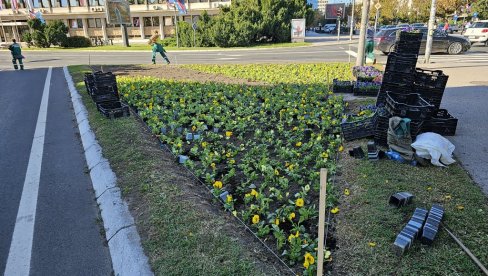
(466, 98)
(49, 216)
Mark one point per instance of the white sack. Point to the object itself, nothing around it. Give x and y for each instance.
(433, 146)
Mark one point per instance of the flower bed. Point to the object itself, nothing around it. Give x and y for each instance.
(259, 148)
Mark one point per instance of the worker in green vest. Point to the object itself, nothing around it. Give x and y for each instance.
(16, 52)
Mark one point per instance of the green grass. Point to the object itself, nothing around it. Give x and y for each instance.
(180, 234)
(145, 47)
(365, 217)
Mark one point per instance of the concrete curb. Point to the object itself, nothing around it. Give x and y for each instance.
(124, 243)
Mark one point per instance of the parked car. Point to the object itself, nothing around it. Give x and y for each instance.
(478, 32)
(403, 25)
(418, 25)
(387, 27)
(328, 28)
(442, 43)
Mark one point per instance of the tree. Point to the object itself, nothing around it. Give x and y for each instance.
(45, 35)
(481, 7)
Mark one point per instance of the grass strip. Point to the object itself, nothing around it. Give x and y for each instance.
(367, 225)
(182, 232)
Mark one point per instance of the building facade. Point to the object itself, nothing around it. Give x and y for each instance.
(88, 17)
(321, 5)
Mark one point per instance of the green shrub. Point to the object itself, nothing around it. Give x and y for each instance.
(169, 42)
(76, 42)
(27, 38)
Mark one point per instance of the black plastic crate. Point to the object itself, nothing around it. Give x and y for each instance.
(396, 87)
(441, 123)
(101, 90)
(407, 48)
(401, 63)
(358, 129)
(101, 98)
(339, 86)
(409, 36)
(408, 106)
(368, 89)
(432, 78)
(399, 78)
(430, 94)
(114, 110)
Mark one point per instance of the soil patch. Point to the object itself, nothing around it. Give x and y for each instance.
(171, 72)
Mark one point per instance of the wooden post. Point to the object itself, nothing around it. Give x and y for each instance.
(322, 205)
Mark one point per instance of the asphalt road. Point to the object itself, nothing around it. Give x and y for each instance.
(66, 237)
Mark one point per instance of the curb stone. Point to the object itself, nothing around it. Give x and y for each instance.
(124, 242)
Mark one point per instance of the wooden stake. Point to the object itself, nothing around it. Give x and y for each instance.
(322, 205)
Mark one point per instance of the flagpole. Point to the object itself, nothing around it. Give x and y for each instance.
(3, 29)
(176, 23)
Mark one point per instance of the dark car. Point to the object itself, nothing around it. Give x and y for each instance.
(442, 43)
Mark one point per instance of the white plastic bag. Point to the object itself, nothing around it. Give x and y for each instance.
(433, 146)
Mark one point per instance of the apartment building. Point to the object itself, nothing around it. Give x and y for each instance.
(321, 5)
(88, 17)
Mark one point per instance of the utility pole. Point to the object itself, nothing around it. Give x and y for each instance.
(351, 31)
(362, 33)
(377, 6)
(428, 47)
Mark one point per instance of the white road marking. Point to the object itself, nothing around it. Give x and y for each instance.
(351, 53)
(229, 58)
(19, 256)
(341, 48)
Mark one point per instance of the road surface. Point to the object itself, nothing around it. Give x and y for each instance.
(49, 217)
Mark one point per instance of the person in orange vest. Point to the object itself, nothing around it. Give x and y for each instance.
(157, 48)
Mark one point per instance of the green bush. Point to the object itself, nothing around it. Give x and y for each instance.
(45, 35)
(169, 42)
(27, 38)
(76, 42)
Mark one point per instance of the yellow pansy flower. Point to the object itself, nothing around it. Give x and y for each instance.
(255, 219)
(218, 184)
(299, 202)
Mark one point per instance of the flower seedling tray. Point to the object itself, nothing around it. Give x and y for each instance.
(369, 89)
(342, 86)
(408, 106)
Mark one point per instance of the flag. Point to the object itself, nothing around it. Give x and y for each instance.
(1, 5)
(39, 16)
(32, 14)
(170, 4)
(180, 5)
(15, 5)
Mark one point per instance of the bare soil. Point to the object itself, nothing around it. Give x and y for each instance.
(171, 72)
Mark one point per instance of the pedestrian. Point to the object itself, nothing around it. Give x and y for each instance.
(446, 27)
(157, 48)
(369, 47)
(16, 52)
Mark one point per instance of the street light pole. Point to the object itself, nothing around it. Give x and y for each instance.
(428, 47)
(351, 31)
(362, 33)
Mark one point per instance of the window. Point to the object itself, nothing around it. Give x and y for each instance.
(98, 22)
(135, 22)
(168, 21)
(45, 3)
(91, 23)
(75, 23)
(480, 25)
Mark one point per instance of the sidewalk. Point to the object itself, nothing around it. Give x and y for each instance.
(465, 97)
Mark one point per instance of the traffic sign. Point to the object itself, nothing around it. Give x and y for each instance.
(194, 26)
(377, 6)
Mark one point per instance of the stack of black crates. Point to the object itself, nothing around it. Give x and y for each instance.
(102, 87)
(410, 92)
